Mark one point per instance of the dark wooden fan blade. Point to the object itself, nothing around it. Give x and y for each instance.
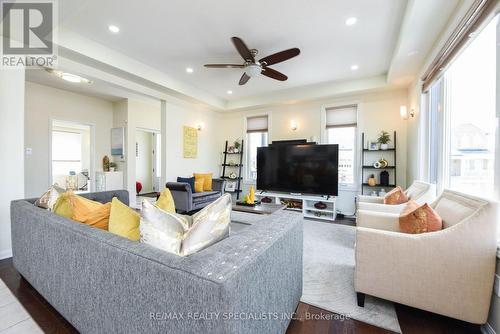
(244, 79)
(280, 56)
(242, 49)
(224, 66)
(269, 72)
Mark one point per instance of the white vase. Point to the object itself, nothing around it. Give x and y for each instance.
(384, 146)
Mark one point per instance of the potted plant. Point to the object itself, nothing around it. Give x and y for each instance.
(383, 139)
(237, 146)
(112, 166)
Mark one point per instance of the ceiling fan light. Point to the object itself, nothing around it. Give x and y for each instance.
(252, 70)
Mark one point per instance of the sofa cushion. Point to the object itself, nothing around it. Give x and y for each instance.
(395, 196)
(210, 225)
(454, 208)
(166, 201)
(417, 219)
(206, 196)
(188, 180)
(123, 221)
(162, 229)
(185, 235)
(98, 218)
(49, 198)
(207, 180)
(198, 185)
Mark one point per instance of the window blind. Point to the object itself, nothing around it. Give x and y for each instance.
(257, 124)
(341, 116)
(479, 13)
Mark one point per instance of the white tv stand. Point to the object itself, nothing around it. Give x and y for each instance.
(308, 201)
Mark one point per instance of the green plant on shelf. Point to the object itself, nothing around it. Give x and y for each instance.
(384, 137)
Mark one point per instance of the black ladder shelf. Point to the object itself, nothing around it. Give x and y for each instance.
(369, 169)
(226, 166)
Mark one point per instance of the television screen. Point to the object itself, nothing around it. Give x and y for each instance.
(305, 169)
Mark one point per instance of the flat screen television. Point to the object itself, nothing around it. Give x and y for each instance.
(305, 169)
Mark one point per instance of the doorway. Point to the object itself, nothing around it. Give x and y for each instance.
(148, 160)
(72, 163)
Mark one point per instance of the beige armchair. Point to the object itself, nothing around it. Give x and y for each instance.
(419, 191)
(449, 272)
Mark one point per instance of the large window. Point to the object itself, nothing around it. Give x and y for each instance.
(463, 113)
(341, 130)
(257, 136)
(66, 153)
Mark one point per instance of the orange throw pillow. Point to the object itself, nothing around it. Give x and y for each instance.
(99, 218)
(90, 212)
(417, 219)
(395, 196)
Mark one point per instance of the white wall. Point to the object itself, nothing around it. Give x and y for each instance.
(11, 150)
(376, 112)
(209, 146)
(43, 103)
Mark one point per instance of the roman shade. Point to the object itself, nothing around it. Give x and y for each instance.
(257, 124)
(341, 116)
(480, 12)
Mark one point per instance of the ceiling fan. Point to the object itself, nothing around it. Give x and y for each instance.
(252, 67)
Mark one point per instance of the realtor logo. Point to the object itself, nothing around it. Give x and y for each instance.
(28, 33)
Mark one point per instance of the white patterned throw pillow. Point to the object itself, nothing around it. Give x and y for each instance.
(185, 235)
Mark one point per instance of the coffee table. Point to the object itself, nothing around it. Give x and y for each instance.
(260, 209)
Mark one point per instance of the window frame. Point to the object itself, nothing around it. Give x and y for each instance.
(92, 162)
(355, 186)
(246, 179)
(442, 167)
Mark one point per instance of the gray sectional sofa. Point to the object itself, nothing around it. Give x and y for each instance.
(250, 282)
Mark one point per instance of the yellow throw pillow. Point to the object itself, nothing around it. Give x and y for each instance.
(124, 221)
(198, 185)
(63, 206)
(166, 201)
(99, 218)
(207, 180)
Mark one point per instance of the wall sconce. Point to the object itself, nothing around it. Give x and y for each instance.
(293, 125)
(403, 111)
(200, 126)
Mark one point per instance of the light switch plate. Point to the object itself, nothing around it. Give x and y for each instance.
(29, 151)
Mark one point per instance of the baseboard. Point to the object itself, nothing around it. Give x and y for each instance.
(5, 254)
(487, 329)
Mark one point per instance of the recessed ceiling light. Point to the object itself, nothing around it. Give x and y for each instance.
(351, 21)
(114, 29)
(412, 53)
(230, 92)
(189, 70)
(354, 67)
(73, 78)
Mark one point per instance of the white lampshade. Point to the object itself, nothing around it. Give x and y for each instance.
(252, 70)
(403, 111)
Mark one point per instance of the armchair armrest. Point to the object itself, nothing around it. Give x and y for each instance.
(218, 185)
(179, 186)
(381, 207)
(378, 220)
(370, 199)
(182, 194)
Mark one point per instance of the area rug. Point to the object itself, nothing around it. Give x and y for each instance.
(328, 280)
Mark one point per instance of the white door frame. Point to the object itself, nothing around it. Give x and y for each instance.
(153, 156)
(91, 185)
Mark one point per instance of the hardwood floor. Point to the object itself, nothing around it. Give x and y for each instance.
(310, 319)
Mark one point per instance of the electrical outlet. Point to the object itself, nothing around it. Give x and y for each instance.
(496, 288)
